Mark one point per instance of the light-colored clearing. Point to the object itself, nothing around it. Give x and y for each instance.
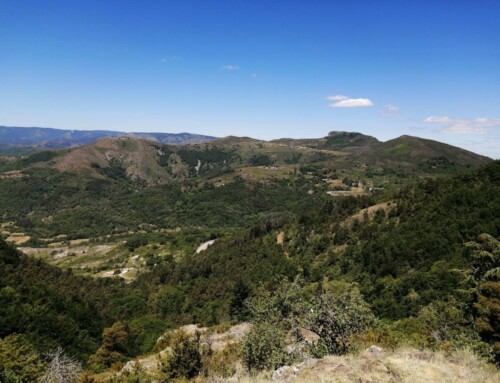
(18, 239)
(204, 246)
(369, 212)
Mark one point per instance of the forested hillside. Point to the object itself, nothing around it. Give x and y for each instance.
(414, 258)
(410, 243)
(120, 183)
(403, 256)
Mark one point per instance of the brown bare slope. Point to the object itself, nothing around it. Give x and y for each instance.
(138, 157)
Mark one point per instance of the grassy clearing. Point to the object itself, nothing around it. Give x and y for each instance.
(18, 238)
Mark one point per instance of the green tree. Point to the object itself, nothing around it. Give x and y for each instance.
(184, 359)
(285, 307)
(264, 347)
(442, 318)
(275, 315)
(109, 353)
(336, 318)
(486, 276)
(237, 307)
(19, 360)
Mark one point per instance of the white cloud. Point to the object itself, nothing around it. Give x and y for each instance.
(389, 110)
(347, 102)
(478, 126)
(230, 67)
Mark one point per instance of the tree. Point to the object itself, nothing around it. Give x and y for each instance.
(61, 368)
(284, 307)
(264, 347)
(488, 314)
(110, 351)
(19, 361)
(441, 318)
(237, 306)
(486, 277)
(336, 318)
(184, 359)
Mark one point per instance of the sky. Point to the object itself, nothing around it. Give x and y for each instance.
(265, 69)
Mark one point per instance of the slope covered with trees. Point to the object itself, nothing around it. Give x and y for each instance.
(424, 259)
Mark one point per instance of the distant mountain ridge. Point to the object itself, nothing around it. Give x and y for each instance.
(50, 138)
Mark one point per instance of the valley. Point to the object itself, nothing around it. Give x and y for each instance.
(249, 191)
(144, 243)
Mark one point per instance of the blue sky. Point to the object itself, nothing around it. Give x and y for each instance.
(265, 69)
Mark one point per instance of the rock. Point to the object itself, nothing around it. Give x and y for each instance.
(374, 351)
(285, 373)
(309, 336)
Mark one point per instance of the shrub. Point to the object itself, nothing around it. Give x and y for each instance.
(336, 319)
(264, 347)
(221, 364)
(184, 359)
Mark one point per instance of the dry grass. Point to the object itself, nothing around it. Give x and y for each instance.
(369, 212)
(401, 366)
(374, 365)
(18, 238)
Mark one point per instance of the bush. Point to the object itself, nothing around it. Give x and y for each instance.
(264, 347)
(185, 359)
(336, 319)
(221, 364)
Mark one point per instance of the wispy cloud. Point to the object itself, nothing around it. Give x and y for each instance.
(451, 125)
(168, 59)
(348, 102)
(389, 110)
(230, 67)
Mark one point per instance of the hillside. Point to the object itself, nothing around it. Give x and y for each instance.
(154, 163)
(50, 307)
(409, 254)
(339, 141)
(409, 150)
(118, 185)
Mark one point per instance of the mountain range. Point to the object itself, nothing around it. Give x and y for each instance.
(156, 161)
(18, 138)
